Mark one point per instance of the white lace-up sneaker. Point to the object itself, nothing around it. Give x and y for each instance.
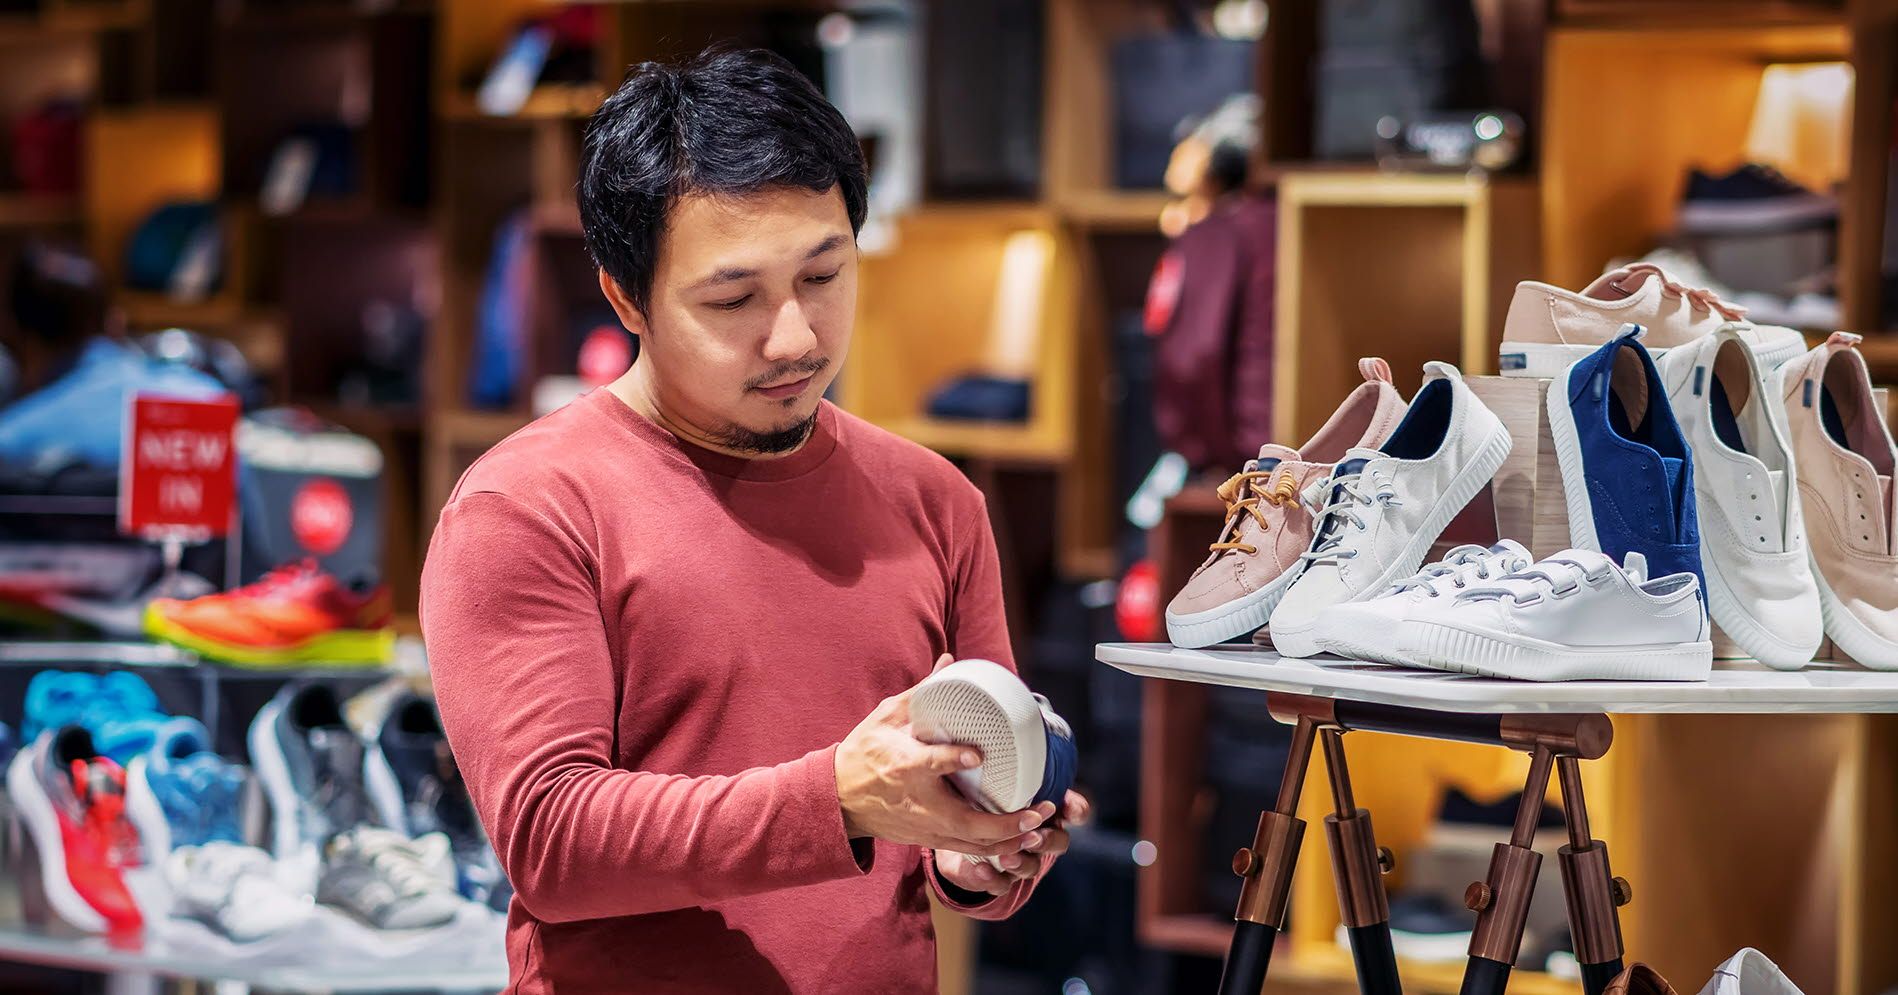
(234, 889)
(1367, 630)
(1760, 587)
(1572, 617)
(1380, 510)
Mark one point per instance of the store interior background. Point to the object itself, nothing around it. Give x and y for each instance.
(1018, 213)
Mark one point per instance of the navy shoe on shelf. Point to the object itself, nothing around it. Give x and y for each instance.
(1751, 199)
(1627, 473)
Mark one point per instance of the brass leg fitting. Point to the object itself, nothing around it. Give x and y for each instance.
(1358, 866)
(1266, 867)
(1501, 902)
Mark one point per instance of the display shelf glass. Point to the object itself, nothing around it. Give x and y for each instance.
(95, 954)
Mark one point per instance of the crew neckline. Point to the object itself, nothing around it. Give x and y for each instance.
(816, 449)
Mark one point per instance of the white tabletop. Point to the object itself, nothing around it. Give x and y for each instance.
(1734, 686)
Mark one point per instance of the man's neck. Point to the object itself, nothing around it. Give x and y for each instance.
(636, 390)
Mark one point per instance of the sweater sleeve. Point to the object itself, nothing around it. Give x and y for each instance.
(978, 627)
(529, 696)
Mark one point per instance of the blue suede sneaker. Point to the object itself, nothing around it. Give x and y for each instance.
(1626, 470)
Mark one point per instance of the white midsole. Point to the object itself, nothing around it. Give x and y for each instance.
(1234, 618)
(1441, 646)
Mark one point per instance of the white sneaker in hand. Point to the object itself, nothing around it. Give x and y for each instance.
(1760, 587)
(1367, 630)
(1572, 617)
(1381, 509)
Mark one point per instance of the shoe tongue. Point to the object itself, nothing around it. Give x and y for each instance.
(1273, 451)
(1508, 546)
(1891, 514)
(1592, 560)
(1619, 284)
(1358, 456)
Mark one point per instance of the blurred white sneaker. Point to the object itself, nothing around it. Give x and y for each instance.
(234, 889)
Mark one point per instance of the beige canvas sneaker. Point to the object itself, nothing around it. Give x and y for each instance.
(1549, 329)
(1845, 457)
(1256, 557)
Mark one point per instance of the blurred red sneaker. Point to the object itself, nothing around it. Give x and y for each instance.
(73, 806)
(296, 614)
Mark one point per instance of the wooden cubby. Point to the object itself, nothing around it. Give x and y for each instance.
(1410, 268)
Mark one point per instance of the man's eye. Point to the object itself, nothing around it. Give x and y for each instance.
(733, 304)
(826, 278)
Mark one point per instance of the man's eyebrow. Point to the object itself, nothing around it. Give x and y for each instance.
(732, 274)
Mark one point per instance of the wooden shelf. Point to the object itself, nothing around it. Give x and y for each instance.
(1202, 935)
(464, 427)
(1117, 210)
(22, 210)
(549, 102)
(365, 419)
(983, 440)
(144, 309)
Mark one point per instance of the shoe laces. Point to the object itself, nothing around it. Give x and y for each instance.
(1698, 298)
(1338, 517)
(1243, 493)
(396, 860)
(1463, 565)
(1554, 579)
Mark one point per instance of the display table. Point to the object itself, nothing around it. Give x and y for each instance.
(1558, 725)
(95, 955)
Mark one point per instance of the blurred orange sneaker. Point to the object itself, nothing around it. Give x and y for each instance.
(296, 614)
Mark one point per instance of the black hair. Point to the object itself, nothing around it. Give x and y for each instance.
(729, 121)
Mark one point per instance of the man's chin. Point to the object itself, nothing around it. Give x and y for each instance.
(778, 437)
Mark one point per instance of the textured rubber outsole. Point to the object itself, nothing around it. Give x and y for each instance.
(1235, 618)
(1446, 647)
(1302, 641)
(983, 704)
(1860, 643)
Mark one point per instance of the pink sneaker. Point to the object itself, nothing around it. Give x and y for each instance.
(1549, 329)
(1844, 458)
(1256, 557)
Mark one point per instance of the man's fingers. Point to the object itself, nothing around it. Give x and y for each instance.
(975, 849)
(1076, 809)
(1053, 843)
(942, 661)
(983, 827)
(949, 758)
(1026, 865)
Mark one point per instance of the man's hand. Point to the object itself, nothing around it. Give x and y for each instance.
(892, 787)
(1038, 848)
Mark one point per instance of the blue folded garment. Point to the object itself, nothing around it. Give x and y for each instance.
(976, 397)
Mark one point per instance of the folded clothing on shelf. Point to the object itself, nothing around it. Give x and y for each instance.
(978, 397)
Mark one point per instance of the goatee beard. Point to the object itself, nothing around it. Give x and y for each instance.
(775, 443)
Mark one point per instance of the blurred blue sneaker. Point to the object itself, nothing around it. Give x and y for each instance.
(118, 708)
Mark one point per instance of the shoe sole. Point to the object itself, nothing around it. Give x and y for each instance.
(1302, 641)
(982, 704)
(1860, 643)
(1740, 625)
(1235, 618)
(1550, 360)
(337, 648)
(35, 809)
(1353, 648)
(1464, 651)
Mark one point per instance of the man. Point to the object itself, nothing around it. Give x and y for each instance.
(672, 624)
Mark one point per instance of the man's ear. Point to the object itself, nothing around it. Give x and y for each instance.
(622, 305)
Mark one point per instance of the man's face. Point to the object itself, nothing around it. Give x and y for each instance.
(752, 304)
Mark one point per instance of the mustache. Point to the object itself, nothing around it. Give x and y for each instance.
(798, 370)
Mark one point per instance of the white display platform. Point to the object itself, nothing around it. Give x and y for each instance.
(95, 955)
(1735, 687)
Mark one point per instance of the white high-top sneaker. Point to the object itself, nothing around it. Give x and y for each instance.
(1760, 587)
(1381, 509)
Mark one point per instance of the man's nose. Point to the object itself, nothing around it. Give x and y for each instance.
(791, 336)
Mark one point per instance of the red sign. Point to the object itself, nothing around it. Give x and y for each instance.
(178, 469)
(320, 516)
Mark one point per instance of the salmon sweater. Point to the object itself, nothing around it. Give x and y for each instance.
(645, 653)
